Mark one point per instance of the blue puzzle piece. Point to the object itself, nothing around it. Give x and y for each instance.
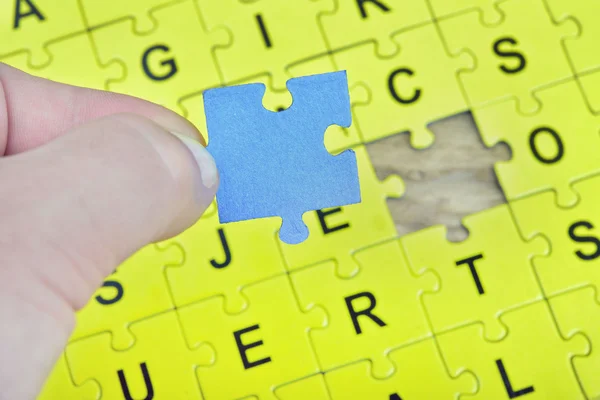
(275, 163)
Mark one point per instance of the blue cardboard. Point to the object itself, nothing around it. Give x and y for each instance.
(275, 163)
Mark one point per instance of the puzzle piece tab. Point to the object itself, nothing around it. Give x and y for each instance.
(222, 259)
(533, 360)
(59, 385)
(408, 90)
(448, 8)
(420, 374)
(371, 313)
(551, 149)
(267, 35)
(29, 25)
(355, 22)
(582, 51)
(125, 298)
(312, 388)
(590, 85)
(101, 12)
(578, 311)
(164, 65)
(574, 234)
(85, 72)
(263, 347)
(275, 163)
(335, 233)
(479, 278)
(513, 58)
(159, 365)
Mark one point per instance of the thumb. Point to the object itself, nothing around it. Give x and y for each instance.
(72, 210)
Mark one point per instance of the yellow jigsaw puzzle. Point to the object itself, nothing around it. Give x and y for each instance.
(367, 316)
(407, 90)
(512, 59)
(475, 273)
(551, 148)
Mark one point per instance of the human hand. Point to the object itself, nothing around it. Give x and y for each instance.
(86, 180)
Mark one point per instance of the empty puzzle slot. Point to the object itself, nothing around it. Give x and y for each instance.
(449, 180)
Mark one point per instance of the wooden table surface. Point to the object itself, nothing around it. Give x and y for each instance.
(451, 179)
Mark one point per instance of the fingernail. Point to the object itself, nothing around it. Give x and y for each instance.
(206, 163)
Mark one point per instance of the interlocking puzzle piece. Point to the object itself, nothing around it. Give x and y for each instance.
(578, 312)
(164, 65)
(59, 385)
(258, 349)
(574, 234)
(420, 374)
(408, 90)
(533, 360)
(85, 72)
(582, 51)
(222, 259)
(369, 314)
(514, 57)
(336, 233)
(312, 388)
(101, 12)
(481, 277)
(354, 22)
(136, 290)
(159, 365)
(293, 173)
(29, 25)
(590, 85)
(268, 35)
(490, 14)
(551, 148)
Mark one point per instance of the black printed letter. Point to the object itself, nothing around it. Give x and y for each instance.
(395, 396)
(560, 149)
(118, 295)
(170, 62)
(417, 93)
(242, 348)
(584, 239)
(326, 229)
(512, 394)
(502, 53)
(366, 312)
(263, 30)
(32, 11)
(471, 263)
(147, 381)
(226, 250)
(363, 12)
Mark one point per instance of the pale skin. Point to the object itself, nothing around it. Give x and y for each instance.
(86, 179)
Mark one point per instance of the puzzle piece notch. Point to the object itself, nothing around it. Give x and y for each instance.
(336, 233)
(420, 373)
(161, 64)
(512, 59)
(501, 369)
(587, 303)
(490, 13)
(123, 299)
(59, 384)
(408, 90)
(368, 316)
(260, 348)
(549, 151)
(236, 118)
(573, 233)
(475, 273)
(86, 72)
(29, 26)
(159, 363)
